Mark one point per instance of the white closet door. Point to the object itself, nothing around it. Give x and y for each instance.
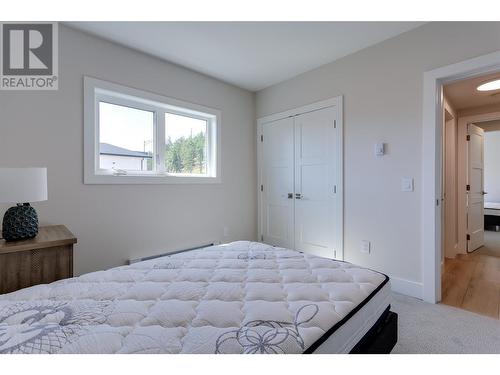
(315, 185)
(277, 179)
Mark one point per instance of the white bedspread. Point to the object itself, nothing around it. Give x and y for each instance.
(244, 297)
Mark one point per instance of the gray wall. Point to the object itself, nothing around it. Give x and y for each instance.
(116, 222)
(382, 89)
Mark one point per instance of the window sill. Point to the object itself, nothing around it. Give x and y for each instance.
(102, 179)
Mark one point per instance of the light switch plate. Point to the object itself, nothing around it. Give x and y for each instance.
(407, 184)
(365, 246)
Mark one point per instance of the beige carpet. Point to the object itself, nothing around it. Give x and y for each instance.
(428, 328)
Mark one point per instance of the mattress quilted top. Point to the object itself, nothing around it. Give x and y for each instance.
(243, 297)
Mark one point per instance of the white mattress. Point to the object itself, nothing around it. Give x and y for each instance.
(492, 208)
(348, 334)
(243, 297)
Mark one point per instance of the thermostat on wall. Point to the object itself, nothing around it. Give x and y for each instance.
(379, 149)
(407, 184)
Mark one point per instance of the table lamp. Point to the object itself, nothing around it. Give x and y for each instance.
(21, 186)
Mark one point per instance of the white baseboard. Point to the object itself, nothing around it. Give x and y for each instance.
(406, 287)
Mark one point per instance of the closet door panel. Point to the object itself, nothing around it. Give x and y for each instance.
(278, 181)
(314, 183)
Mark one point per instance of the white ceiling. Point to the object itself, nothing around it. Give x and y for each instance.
(463, 94)
(251, 55)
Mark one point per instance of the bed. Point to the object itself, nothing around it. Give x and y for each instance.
(492, 208)
(242, 297)
(492, 216)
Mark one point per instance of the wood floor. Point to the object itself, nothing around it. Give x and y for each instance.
(472, 281)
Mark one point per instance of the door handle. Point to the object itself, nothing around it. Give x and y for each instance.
(290, 195)
(298, 196)
(485, 192)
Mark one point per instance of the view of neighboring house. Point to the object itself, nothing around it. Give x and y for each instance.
(114, 157)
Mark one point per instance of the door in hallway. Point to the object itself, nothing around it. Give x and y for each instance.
(475, 187)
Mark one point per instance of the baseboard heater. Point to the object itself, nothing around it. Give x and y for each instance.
(132, 261)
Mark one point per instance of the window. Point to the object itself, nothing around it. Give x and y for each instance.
(132, 136)
(126, 138)
(185, 145)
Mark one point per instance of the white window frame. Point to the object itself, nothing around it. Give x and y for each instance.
(96, 90)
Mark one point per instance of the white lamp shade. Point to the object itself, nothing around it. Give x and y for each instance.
(23, 185)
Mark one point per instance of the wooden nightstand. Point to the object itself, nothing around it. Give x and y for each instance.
(46, 258)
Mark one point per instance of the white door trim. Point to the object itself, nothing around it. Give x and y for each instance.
(431, 163)
(337, 102)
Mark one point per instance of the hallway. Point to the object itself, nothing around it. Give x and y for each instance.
(472, 281)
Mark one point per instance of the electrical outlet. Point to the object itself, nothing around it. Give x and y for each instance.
(365, 246)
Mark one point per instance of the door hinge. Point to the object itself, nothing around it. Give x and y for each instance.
(261, 187)
(468, 137)
(334, 189)
(262, 238)
(262, 138)
(467, 187)
(334, 124)
(468, 237)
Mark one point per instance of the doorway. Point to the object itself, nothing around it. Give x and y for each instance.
(470, 215)
(432, 122)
